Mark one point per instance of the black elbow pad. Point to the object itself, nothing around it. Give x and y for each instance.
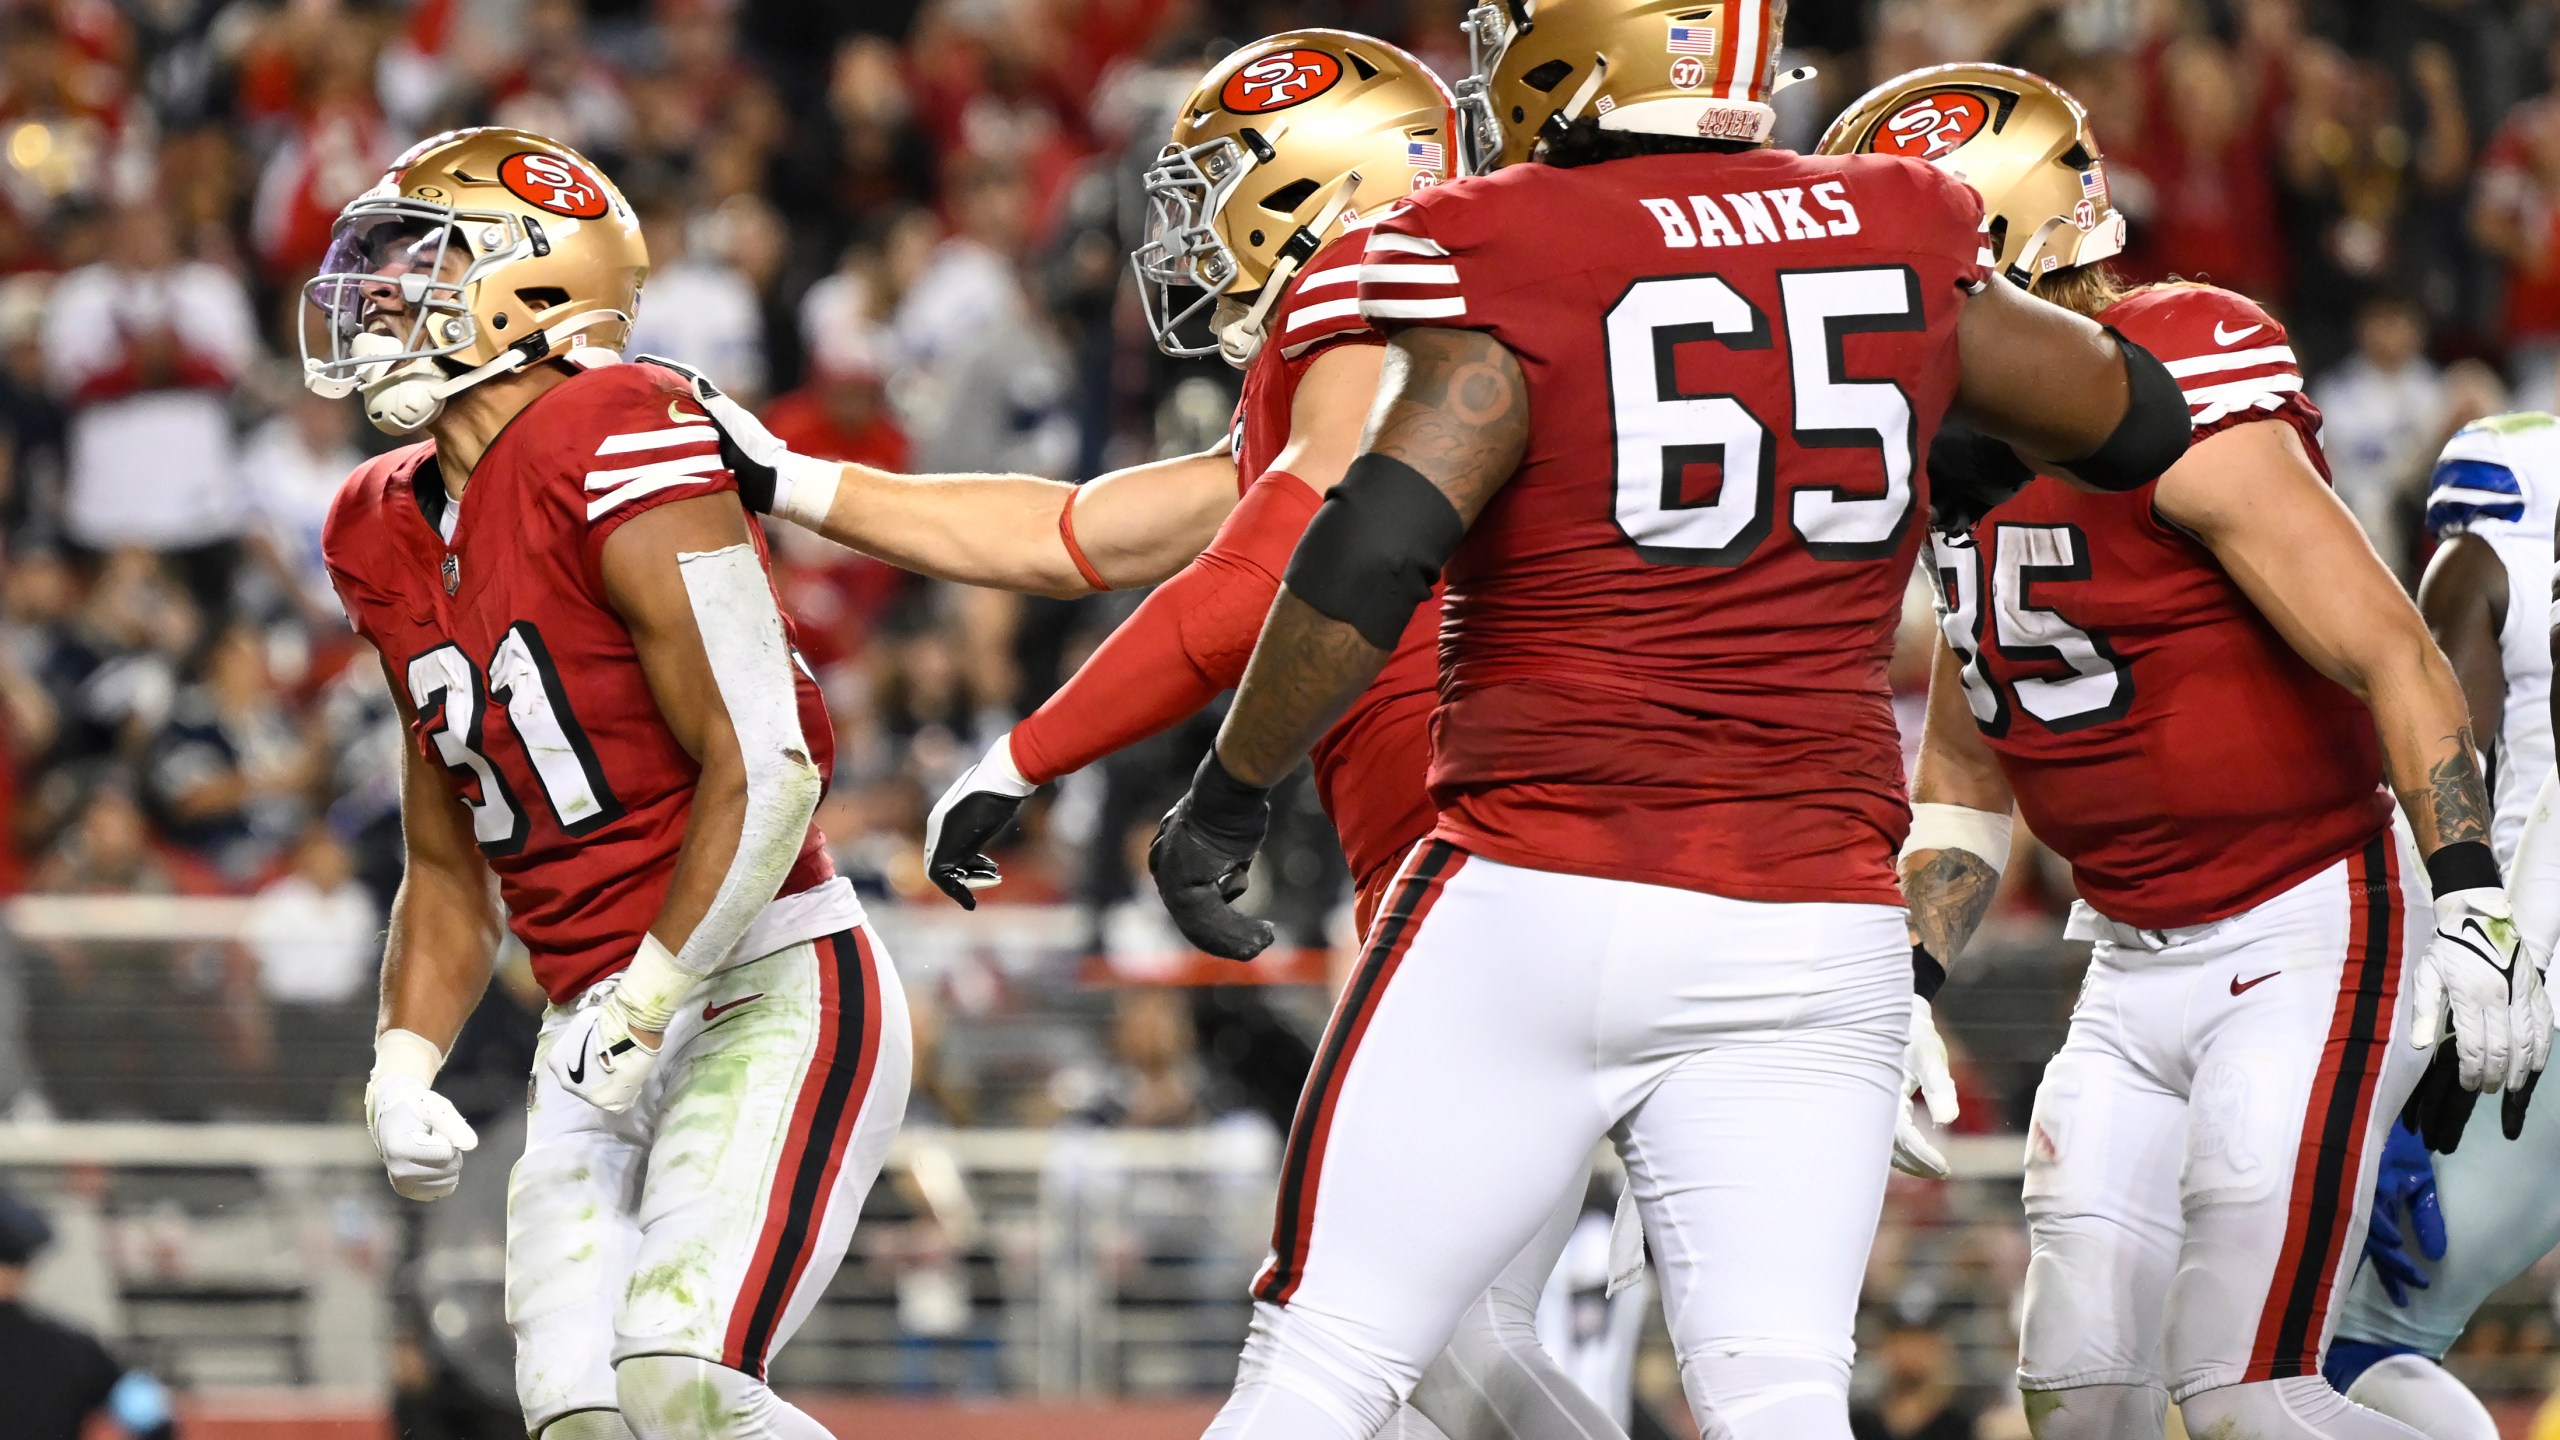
(1375, 548)
(2153, 433)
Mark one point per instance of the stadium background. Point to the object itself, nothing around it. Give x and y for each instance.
(900, 227)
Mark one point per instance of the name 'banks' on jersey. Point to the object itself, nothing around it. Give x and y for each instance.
(1664, 646)
(2159, 734)
(1369, 766)
(525, 682)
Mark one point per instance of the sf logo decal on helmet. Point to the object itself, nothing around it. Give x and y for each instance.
(1931, 127)
(553, 184)
(1276, 82)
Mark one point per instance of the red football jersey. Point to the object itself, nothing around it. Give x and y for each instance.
(1370, 765)
(525, 682)
(1663, 657)
(2159, 733)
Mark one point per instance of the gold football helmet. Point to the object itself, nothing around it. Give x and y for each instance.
(1694, 68)
(479, 252)
(2017, 138)
(1284, 141)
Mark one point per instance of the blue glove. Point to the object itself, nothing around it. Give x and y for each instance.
(2407, 1182)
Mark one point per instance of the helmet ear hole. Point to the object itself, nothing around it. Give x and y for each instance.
(1287, 199)
(1545, 79)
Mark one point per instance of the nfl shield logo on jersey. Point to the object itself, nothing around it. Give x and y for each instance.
(452, 573)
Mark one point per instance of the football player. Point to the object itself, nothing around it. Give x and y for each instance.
(2195, 691)
(578, 626)
(1260, 202)
(1662, 393)
(2489, 1210)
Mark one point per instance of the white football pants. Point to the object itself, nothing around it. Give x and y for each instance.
(1745, 1056)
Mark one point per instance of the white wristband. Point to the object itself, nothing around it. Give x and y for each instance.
(997, 770)
(1960, 827)
(406, 1053)
(653, 985)
(804, 489)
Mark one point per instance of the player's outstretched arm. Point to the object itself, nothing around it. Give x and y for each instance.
(2463, 598)
(442, 940)
(1450, 424)
(2098, 409)
(1184, 645)
(688, 584)
(2253, 497)
(1010, 532)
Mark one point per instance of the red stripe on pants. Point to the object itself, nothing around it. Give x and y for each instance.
(2329, 1165)
(1428, 870)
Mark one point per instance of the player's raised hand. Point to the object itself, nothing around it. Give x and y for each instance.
(417, 1132)
(597, 1055)
(2475, 982)
(1201, 855)
(980, 803)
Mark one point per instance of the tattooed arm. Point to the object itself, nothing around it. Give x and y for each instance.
(2253, 497)
(1948, 887)
(1453, 405)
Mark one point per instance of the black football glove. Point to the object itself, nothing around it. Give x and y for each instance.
(2440, 1107)
(746, 447)
(980, 803)
(1969, 472)
(1200, 857)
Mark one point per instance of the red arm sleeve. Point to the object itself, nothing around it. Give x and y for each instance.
(1187, 642)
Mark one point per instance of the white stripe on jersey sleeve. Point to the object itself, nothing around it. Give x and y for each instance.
(1414, 309)
(1338, 275)
(622, 486)
(1405, 245)
(2234, 360)
(1406, 272)
(2273, 387)
(1329, 310)
(658, 439)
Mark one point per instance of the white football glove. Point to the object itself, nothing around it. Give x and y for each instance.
(1924, 1068)
(418, 1133)
(2475, 981)
(595, 1055)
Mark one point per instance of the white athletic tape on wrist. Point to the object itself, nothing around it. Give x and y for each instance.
(804, 489)
(653, 985)
(406, 1053)
(1960, 827)
(999, 767)
(742, 636)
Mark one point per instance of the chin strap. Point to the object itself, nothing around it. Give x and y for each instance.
(408, 399)
(1238, 341)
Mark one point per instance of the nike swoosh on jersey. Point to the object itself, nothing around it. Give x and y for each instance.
(682, 418)
(2233, 337)
(711, 1012)
(2238, 988)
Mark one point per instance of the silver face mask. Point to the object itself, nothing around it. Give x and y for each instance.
(1490, 32)
(384, 283)
(1185, 191)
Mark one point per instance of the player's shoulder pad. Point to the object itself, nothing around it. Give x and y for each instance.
(624, 432)
(361, 497)
(1323, 303)
(2227, 353)
(2499, 475)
